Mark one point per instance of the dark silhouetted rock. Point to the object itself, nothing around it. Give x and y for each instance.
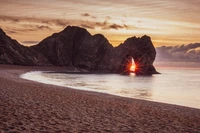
(126, 64)
(11, 52)
(76, 47)
(142, 51)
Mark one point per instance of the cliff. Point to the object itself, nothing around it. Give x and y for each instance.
(76, 47)
(11, 52)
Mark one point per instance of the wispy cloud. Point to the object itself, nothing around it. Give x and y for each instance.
(166, 18)
(87, 26)
(116, 26)
(46, 24)
(186, 53)
(34, 20)
(85, 14)
(27, 28)
(42, 27)
(88, 15)
(11, 31)
(105, 25)
(30, 42)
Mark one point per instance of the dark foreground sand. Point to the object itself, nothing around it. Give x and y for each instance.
(27, 106)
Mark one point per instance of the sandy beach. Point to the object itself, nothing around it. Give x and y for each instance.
(27, 106)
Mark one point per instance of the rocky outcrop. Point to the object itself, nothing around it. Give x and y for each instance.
(140, 49)
(76, 47)
(11, 52)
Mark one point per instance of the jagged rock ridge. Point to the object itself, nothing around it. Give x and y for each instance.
(11, 52)
(76, 47)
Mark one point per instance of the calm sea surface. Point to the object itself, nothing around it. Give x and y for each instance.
(174, 86)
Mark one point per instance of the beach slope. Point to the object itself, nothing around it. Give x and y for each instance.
(27, 106)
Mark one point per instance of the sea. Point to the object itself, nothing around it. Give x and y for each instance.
(178, 86)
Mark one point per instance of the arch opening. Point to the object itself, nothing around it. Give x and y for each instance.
(133, 66)
(128, 65)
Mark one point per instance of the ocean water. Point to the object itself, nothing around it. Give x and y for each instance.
(174, 86)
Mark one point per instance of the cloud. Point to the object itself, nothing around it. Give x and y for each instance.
(60, 22)
(185, 53)
(29, 24)
(11, 31)
(105, 25)
(7, 18)
(30, 42)
(26, 28)
(85, 14)
(87, 26)
(34, 20)
(108, 17)
(101, 24)
(42, 27)
(116, 27)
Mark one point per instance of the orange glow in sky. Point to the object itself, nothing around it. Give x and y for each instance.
(167, 22)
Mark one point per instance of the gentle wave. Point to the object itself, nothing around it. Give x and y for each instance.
(179, 87)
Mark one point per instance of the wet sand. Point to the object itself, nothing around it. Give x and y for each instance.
(27, 106)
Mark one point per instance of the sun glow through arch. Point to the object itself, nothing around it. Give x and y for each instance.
(133, 66)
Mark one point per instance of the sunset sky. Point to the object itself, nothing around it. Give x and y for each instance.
(167, 22)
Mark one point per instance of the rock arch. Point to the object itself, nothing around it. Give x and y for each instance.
(76, 47)
(142, 51)
(126, 65)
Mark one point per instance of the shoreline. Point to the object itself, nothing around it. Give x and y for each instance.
(37, 76)
(28, 106)
(39, 79)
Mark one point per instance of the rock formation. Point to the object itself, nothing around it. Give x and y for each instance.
(142, 51)
(11, 52)
(76, 47)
